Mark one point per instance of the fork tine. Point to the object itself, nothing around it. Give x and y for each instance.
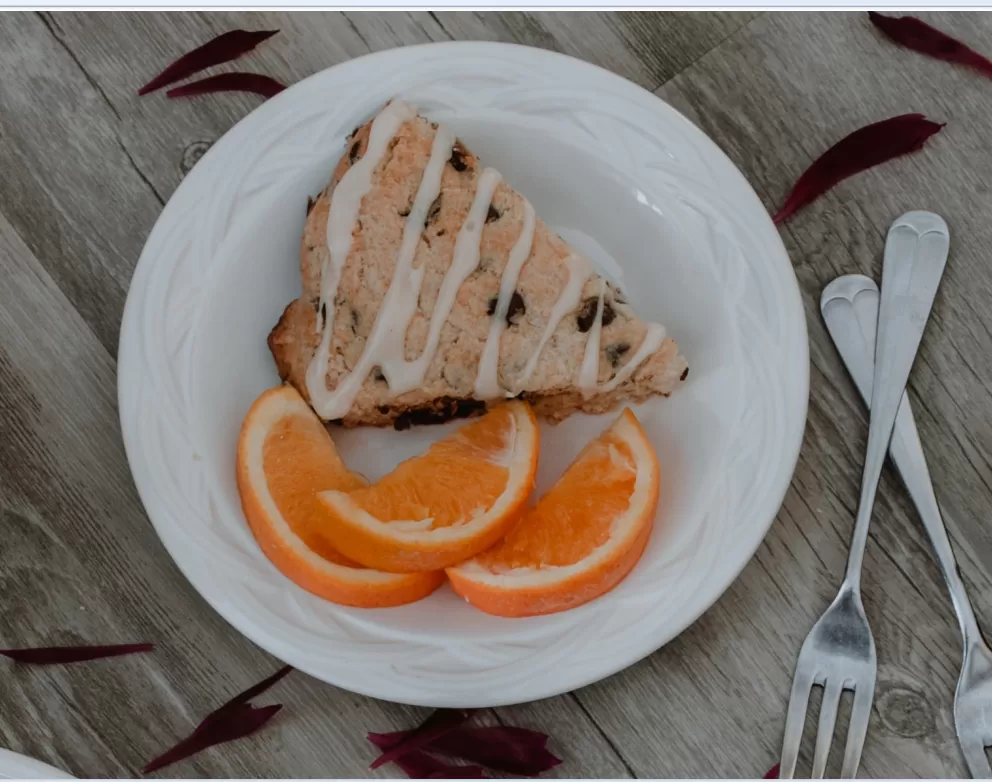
(976, 759)
(832, 689)
(860, 713)
(795, 721)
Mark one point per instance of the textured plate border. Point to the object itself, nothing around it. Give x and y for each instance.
(611, 118)
(14, 766)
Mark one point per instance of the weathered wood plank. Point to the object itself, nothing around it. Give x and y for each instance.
(774, 97)
(68, 184)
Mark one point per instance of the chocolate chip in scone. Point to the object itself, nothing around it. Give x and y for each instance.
(434, 211)
(440, 411)
(384, 409)
(685, 374)
(492, 214)
(609, 314)
(310, 203)
(587, 313)
(457, 159)
(420, 417)
(615, 352)
(516, 309)
(356, 319)
(467, 407)
(323, 315)
(353, 152)
(441, 232)
(491, 306)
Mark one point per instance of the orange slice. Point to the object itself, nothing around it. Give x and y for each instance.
(286, 456)
(449, 503)
(580, 540)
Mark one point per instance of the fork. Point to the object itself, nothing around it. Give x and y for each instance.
(839, 652)
(849, 306)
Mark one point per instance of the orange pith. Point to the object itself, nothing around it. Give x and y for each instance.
(580, 540)
(285, 456)
(575, 516)
(297, 464)
(447, 504)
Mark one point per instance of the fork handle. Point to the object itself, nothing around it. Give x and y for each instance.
(849, 306)
(915, 256)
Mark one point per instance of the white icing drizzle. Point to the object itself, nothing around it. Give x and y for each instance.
(487, 380)
(589, 372)
(407, 375)
(385, 343)
(579, 270)
(346, 201)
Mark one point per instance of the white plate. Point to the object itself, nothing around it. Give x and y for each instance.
(14, 766)
(654, 203)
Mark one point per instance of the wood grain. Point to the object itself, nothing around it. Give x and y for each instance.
(87, 166)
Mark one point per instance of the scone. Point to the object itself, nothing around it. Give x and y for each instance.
(432, 291)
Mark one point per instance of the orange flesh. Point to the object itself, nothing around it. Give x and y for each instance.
(453, 478)
(300, 461)
(576, 516)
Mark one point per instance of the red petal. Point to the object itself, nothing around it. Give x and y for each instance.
(254, 690)
(241, 721)
(861, 150)
(51, 655)
(772, 773)
(221, 49)
(233, 720)
(513, 750)
(229, 82)
(436, 725)
(917, 35)
(419, 765)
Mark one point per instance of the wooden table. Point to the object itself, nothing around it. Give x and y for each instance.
(85, 167)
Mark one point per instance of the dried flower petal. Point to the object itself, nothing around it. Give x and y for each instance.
(917, 35)
(417, 764)
(243, 720)
(864, 148)
(234, 720)
(53, 655)
(237, 81)
(437, 724)
(772, 773)
(256, 689)
(502, 748)
(224, 48)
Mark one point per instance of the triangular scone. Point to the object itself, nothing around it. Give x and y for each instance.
(495, 279)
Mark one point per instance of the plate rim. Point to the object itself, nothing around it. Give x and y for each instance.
(25, 767)
(791, 453)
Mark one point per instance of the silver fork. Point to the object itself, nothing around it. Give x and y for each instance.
(839, 652)
(850, 309)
